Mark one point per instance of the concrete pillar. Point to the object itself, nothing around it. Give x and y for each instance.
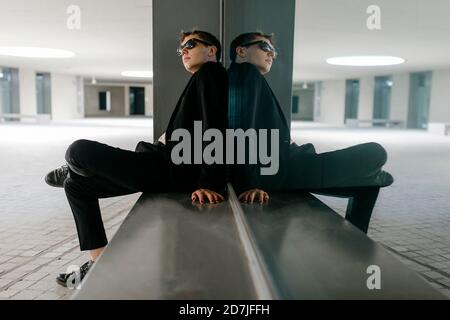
(27, 91)
(66, 97)
(440, 97)
(268, 16)
(126, 101)
(149, 100)
(332, 102)
(399, 97)
(225, 19)
(366, 95)
(169, 75)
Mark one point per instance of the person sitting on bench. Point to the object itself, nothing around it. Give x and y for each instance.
(252, 104)
(95, 170)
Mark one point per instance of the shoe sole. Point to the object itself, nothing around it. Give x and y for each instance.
(53, 185)
(61, 283)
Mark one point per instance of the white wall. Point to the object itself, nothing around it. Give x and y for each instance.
(399, 97)
(149, 100)
(332, 103)
(366, 94)
(27, 91)
(126, 102)
(66, 101)
(118, 101)
(330, 108)
(440, 96)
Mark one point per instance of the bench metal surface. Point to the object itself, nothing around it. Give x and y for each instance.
(167, 248)
(440, 128)
(37, 117)
(355, 122)
(311, 252)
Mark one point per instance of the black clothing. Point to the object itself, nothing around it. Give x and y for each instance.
(115, 172)
(205, 99)
(101, 171)
(252, 104)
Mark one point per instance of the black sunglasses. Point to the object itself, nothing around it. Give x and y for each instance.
(263, 45)
(190, 44)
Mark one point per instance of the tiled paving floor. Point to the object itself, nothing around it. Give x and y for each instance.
(37, 232)
(411, 217)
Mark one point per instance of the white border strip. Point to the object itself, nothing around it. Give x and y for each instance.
(261, 282)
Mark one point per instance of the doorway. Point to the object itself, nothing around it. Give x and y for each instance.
(5, 91)
(137, 101)
(43, 93)
(419, 100)
(351, 99)
(303, 102)
(382, 97)
(9, 90)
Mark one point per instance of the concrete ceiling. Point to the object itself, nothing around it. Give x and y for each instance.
(115, 35)
(416, 30)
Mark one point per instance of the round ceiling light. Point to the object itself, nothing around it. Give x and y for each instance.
(35, 52)
(137, 74)
(365, 61)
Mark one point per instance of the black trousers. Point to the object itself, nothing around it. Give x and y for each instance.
(354, 173)
(356, 166)
(101, 171)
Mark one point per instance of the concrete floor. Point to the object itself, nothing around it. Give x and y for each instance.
(411, 217)
(38, 237)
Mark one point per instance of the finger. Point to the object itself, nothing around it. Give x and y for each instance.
(216, 197)
(252, 197)
(201, 197)
(221, 198)
(261, 196)
(209, 196)
(242, 196)
(194, 197)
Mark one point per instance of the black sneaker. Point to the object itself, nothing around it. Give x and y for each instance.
(57, 177)
(64, 278)
(384, 179)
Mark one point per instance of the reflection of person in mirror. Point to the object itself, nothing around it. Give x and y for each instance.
(252, 104)
(95, 170)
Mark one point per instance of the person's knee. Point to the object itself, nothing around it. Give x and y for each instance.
(307, 148)
(77, 148)
(377, 153)
(68, 186)
(140, 147)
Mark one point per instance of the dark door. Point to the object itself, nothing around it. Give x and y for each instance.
(351, 99)
(382, 97)
(419, 100)
(137, 101)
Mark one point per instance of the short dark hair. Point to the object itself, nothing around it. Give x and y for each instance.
(205, 36)
(246, 38)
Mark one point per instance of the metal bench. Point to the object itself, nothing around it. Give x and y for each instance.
(18, 116)
(440, 128)
(310, 252)
(295, 247)
(385, 122)
(168, 248)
